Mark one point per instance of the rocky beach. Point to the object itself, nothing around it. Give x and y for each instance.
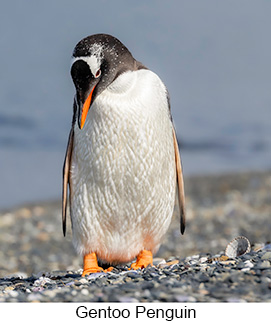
(37, 264)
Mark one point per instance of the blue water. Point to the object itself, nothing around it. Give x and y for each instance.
(213, 56)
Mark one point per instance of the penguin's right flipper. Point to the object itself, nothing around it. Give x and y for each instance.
(66, 179)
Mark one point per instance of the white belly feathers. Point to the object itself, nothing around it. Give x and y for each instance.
(123, 170)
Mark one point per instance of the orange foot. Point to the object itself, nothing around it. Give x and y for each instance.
(142, 260)
(91, 265)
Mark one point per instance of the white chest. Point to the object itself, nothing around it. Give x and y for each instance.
(123, 173)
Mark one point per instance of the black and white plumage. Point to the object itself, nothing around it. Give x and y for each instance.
(122, 164)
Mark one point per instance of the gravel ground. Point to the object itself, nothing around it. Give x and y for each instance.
(37, 264)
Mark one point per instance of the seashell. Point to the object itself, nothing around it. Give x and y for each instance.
(238, 247)
(267, 246)
(168, 264)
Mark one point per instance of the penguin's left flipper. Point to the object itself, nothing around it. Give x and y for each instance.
(180, 184)
(66, 179)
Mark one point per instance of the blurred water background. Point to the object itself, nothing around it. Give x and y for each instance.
(214, 56)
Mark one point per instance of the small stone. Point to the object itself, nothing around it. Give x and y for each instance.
(83, 281)
(264, 264)
(204, 267)
(70, 283)
(245, 269)
(170, 263)
(41, 281)
(228, 262)
(246, 256)
(266, 256)
(235, 300)
(95, 275)
(34, 297)
(203, 292)
(248, 264)
(147, 285)
(223, 258)
(127, 299)
(38, 210)
(7, 220)
(265, 280)
(267, 246)
(133, 274)
(20, 275)
(201, 286)
(146, 293)
(13, 293)
(85, 292)
(24, 213)
(43, 236)
(184, 298)
(258, 246)
(74, 292)
(240, 265)
(203, 259)
(193, 262)
(50, 293)
(38, 289)
(203, 278)
(158, 261)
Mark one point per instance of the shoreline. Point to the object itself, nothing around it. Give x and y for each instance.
(189, 180)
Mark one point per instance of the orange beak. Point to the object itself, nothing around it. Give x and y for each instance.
(86, 108)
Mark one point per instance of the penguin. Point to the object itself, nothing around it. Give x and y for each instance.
(122, 169)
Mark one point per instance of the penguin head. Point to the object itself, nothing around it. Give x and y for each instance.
(96, 62)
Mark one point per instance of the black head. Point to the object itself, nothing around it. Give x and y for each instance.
(97, 61)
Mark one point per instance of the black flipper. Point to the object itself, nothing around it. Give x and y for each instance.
(180, 184)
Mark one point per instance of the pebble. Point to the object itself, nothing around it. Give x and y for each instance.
(50, 293)
(248, 264)
(264, 264)
(158, 261)
(13, 293)
(266, 256)
(42, 281)
(83, 281)
(74, 292)
(125, 299)
(95, 275)
(84, 292)
(203, 259)
(185, 298)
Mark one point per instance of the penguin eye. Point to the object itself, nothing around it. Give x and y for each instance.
(98, 73)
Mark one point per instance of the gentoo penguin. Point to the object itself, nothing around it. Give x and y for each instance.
(122, 166)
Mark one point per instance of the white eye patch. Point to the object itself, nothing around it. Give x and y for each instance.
(93, 61)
